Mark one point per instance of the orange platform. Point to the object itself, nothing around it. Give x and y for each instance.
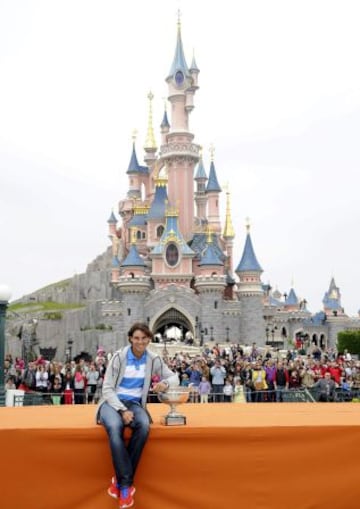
(253, 456)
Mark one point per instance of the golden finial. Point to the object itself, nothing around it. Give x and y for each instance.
(212, 151)
(247, 224)
(209, 234)
(134, 135)
(150, 142)
(228, 228)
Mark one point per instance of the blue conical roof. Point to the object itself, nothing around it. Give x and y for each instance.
(291, 299)
(248, 260)
(179, 62)
(210, 257)
(193, 66)
(165, 121)
(133, 258)
(213, 184)
(172, 233)
(332, 298)
(134, 166)
(200, 172)
(158, 206)
(112, 219)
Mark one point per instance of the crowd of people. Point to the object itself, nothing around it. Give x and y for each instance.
(219, 373)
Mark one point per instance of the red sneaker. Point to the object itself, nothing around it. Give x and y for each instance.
(114, 491)
(126, 497)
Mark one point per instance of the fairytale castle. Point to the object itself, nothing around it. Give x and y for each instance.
(171, 261)
(172, 258)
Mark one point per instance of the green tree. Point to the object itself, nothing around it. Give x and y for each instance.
(349, 340)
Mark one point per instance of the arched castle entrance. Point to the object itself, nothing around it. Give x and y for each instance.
(172, 317)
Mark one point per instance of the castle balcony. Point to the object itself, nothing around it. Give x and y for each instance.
(177, 149)
(210, 283)
(136, 284)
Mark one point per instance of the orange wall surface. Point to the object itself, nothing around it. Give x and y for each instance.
(253, 456)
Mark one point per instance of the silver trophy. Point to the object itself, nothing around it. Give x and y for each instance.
(173, 397)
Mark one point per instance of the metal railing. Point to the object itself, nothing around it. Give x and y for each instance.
(302, 395)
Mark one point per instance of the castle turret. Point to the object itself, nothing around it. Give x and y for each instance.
(133, 284)
(179, 153)
(156, 215)
(332, 300)
(164, 127)
(229, 234)
(213, 191)
(250, 291)
(172, 257)
(200, 195)
(112, 222)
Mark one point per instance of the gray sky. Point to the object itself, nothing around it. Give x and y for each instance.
(279, 97)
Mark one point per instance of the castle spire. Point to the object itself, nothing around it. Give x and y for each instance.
(229, 232)
(179, 64)
(150, 143)
(248, 260)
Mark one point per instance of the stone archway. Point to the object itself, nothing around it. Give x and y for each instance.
(172, 317)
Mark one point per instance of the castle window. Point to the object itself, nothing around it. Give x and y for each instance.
(172, 254)
(138, 234)
(143, 235)
(128, 311)
(159, 231)
(215, 304)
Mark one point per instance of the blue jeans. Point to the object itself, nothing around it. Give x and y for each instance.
(125, 458)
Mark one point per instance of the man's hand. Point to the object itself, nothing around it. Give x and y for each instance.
(127, 416)
(160, 387)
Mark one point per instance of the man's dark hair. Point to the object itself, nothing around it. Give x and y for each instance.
(142, 327)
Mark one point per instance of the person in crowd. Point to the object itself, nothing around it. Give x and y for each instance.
(281, 381)
(259, 381)
(194, 373)
(326, 388)
(41, 378)
(239, 393)
(79, 382)
(125, 390)
(204, 389)
(228, 391)
(218, 375)
(270, 370)
(92, 377)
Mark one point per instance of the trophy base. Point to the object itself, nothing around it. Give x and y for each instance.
(173, 420)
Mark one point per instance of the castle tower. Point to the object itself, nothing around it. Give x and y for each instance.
(213, 191)
(200, 195)
(156, 216)
(210, 285)
(252, 325)
(332, 300)
(133, 284)
(172, 257)
(179, 153)
(229, 234)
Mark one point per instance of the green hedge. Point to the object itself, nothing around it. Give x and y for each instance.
(349, 340)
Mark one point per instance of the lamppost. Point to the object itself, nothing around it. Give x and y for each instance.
(227, 333)
(70, 343)
(211, 333)
(5, 295)
(202, 332)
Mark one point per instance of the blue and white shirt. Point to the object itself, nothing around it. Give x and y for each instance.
(131, 386)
